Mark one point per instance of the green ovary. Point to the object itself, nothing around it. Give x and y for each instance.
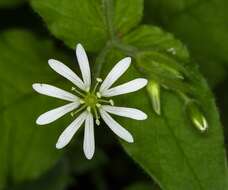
(91, 100)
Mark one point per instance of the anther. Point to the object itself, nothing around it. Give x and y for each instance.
(87, 89)
(99, 80)
(98, 105)
(88, 109)
(98, 122)
(98, 94)
(81, 101)
(111, 102)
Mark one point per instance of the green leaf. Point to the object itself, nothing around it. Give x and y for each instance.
(26, 150)
(202, 25)
(151, 38)
(89, 21)
(168, 147)
(127, 14)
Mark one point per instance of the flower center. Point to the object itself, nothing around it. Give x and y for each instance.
(91, 100)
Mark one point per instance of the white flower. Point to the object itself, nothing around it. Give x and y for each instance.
(90, 102)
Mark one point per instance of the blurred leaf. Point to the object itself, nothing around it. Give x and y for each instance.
(55, 179)
(26, 150)
(88, 21)
(80, 165)
(10, 3)
(202, 25)
(168, 147)
(141, 186)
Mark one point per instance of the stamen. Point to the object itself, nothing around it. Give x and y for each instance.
(78, 110)
(96, 116)
(75, 90)
(111, 102)
(99, 80)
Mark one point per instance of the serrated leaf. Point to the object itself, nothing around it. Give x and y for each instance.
(26, 150)
(89, 22)
(202, 25)
(168, 147)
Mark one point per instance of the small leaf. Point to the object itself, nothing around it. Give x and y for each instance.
(202, 26)
(151, 38)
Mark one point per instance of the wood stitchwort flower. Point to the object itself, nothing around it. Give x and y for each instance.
(90, 103)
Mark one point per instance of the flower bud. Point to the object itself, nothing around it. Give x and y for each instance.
(153, 89)
(196, 116)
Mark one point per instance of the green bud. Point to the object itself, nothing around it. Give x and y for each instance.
(196, 116)
(153, 89)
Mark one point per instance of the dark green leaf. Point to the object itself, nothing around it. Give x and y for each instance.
(26, 150)
(141, 186)
(10, 3)
(55, 179)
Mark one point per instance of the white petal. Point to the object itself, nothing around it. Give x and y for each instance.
(56, 113)
(84, 65)
(125, 88)
(116, 127)
(53, 91)
(69, 132)
(125, 112)
(66, 72)
(115, 73)
(89, 142)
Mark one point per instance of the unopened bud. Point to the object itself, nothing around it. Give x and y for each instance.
(153, 89)
(196, 116)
